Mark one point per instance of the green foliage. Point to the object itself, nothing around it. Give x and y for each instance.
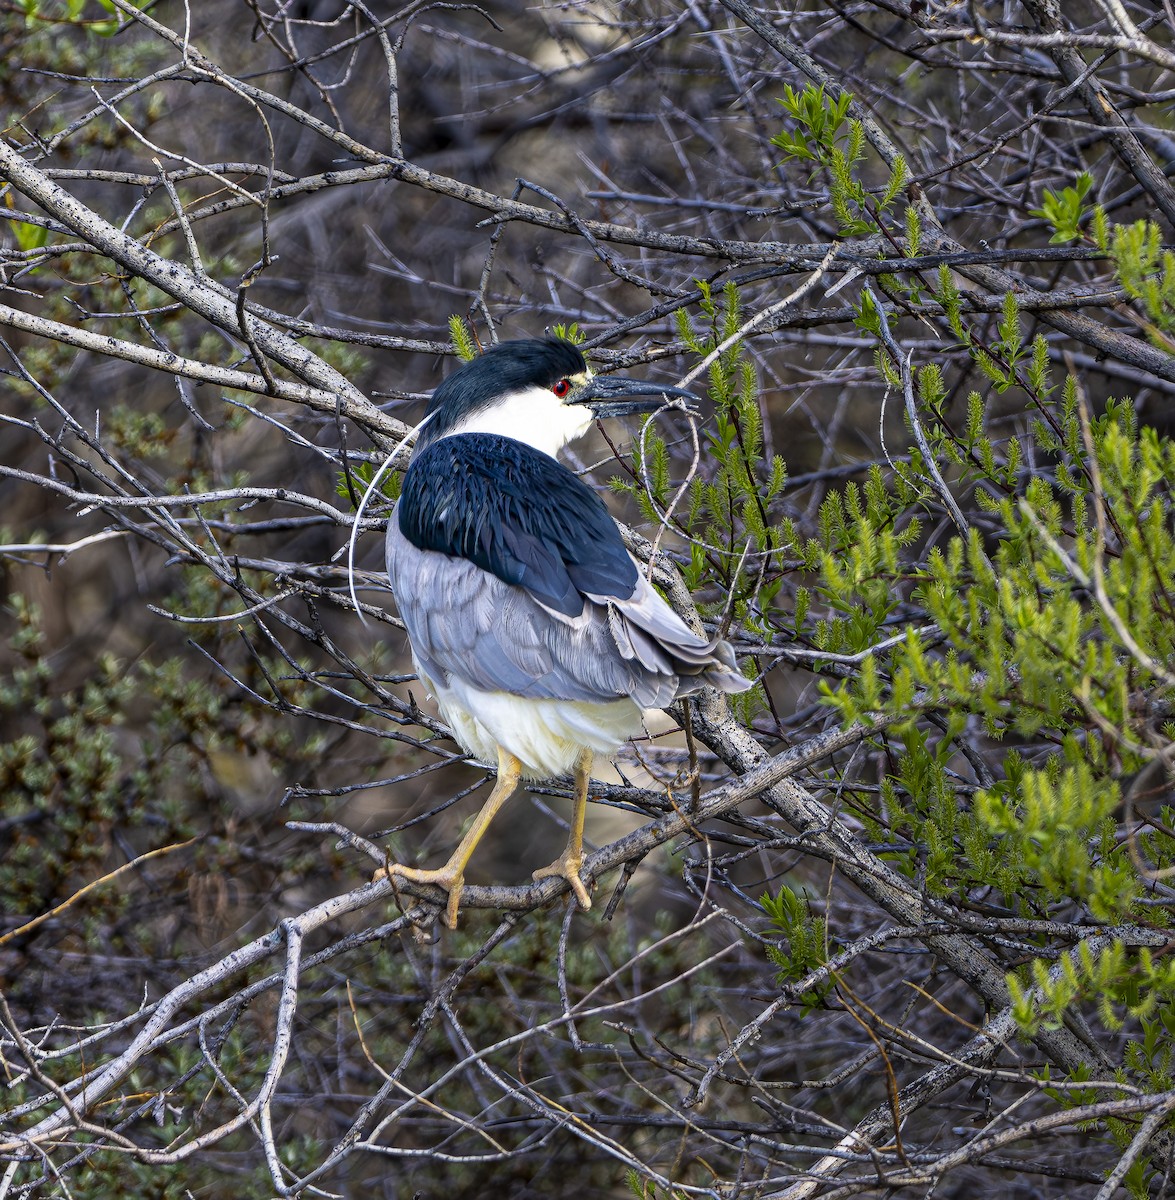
(1119, 983)
(570, 333)
(868, 320)
(645, 1189)
(79, 13)
(1051, 629)
(806, 940)
(1055, 630)
(1055, 825)
(1065, 210)
(79, 789)
(1006, 362)
(466, 345)
(462, 338)
(1144, 267)
(1147, 272)
(1021, 624)
(823, 134)
(142, 435)
(913, 231)
(1141, 1057)
(733, 538)
(63, 773)
(28, 236)
(361, 476)
(819, 120)
(856, 559)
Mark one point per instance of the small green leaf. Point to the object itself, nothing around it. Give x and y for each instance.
(1065, 210)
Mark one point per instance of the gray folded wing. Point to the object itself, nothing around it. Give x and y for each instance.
(464, 621)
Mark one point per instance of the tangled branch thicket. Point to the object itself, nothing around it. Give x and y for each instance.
(896, 925)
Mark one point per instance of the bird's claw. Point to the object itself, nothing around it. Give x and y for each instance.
(449, 880)
(567, 866)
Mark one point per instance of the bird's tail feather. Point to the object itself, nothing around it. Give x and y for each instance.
(676, 662)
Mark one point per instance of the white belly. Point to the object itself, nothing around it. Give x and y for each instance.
(546, 736)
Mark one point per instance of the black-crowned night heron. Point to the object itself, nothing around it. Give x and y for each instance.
(529, 621)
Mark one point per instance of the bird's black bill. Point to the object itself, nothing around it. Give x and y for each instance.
(615, 396)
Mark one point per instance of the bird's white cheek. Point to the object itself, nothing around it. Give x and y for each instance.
(535, 416)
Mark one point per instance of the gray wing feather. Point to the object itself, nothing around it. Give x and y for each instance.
(466, 622)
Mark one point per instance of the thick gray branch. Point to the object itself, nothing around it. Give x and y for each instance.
(213, 302)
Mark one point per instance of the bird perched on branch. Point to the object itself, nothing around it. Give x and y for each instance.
(528, 619)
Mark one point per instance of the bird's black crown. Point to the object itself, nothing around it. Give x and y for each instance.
(502, 369)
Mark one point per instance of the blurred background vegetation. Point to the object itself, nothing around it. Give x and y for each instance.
(920, 496)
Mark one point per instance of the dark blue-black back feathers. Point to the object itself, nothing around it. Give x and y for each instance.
(518, 514)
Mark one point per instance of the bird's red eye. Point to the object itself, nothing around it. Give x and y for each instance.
(562, 388)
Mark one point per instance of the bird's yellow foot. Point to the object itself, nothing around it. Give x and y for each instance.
(444, 877)
(567, 866)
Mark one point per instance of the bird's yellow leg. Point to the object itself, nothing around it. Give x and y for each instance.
(570, 862)
(452, 875)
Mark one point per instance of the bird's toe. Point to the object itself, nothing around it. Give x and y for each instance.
(567, 866)
(443, 877)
